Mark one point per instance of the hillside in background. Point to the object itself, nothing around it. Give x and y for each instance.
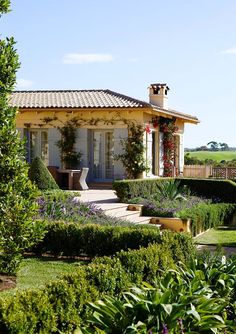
(217, 156)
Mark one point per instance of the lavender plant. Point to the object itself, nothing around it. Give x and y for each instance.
(66, 206)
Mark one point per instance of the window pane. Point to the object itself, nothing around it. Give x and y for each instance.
(44, 147)
(33, 145)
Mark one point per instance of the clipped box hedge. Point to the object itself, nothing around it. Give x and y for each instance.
(205, 216)
(61, 306)
(225, 190)
(95, 240)
(128, 189)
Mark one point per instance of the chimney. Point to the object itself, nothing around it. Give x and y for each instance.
(158, 95)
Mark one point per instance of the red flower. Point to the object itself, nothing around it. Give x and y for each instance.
(147, 129)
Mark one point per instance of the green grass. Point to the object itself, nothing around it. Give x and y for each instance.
(36, 272)
(222, 236)
(217, 156)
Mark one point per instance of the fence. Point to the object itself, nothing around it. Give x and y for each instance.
(199, 171)
(224, 172)
(202, 171)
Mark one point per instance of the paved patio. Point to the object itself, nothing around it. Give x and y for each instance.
(98, 196)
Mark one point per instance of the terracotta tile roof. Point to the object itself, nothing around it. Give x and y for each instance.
(86, 99)
(74, 99)
(175, 113)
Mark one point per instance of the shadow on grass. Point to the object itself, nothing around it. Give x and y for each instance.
(62, 259)
(226, 228)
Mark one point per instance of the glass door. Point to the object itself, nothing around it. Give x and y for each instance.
(103, 150)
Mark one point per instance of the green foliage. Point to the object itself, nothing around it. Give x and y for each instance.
(64, 302)
(128, 189)
(224, 190)
(17, 195)
(205, 216)
(69, 157)
(4, 6)
(197, 298)
(171, 190)
(133, 157)
(27, 312)
(94, 240)
(40, 175)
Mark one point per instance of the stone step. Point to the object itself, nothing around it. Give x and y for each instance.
(122, 213)
(107, 207)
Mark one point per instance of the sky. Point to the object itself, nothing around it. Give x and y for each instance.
(125, 45)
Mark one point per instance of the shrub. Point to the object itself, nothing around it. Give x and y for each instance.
(195, 298)
(40, 175)
(62, 305)
(168, 208)
(94, 240)
(17, 195)
(128, 189)
(27, 312)
(175, 307)
(132, 156)
(205, 216)
(224, 190)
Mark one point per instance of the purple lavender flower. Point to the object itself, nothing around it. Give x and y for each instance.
(180, 322)
(165, 329)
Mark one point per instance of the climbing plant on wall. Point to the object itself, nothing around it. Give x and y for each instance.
(168, 128)
(133, 158)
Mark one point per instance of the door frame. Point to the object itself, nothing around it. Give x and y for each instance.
(103, 155)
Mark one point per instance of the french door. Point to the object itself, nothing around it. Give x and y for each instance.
(103, 150)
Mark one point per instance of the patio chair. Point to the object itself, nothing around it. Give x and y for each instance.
(81, 181)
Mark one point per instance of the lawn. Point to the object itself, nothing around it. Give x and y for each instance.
(36, 272)
(217, 156)
(223, 236)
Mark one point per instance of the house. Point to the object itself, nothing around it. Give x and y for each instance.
(103, 116)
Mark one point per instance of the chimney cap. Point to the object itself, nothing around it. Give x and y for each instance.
(159, 85)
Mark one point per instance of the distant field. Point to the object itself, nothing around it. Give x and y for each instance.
(217, 156)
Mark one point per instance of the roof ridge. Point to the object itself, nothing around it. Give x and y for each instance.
(128, 97)
(58, 90)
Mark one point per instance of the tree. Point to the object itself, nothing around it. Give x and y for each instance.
(18, 231)
(214, 145)
(224, 146)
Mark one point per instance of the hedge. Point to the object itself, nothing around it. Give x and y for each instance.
(95, 240)
(61, 305)
(225, 190)
(205, 216)
(128, 189)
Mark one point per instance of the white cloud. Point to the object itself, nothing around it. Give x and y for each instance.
(229, 51)
(78, 58)
(23, 84)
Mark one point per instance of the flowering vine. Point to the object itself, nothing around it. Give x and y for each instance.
(168, 128)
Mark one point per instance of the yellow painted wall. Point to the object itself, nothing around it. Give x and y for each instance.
(35, 117)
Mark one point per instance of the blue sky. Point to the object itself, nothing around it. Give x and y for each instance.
(125, 45)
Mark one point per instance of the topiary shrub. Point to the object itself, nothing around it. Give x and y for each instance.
(40, 175)
(17, 194)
